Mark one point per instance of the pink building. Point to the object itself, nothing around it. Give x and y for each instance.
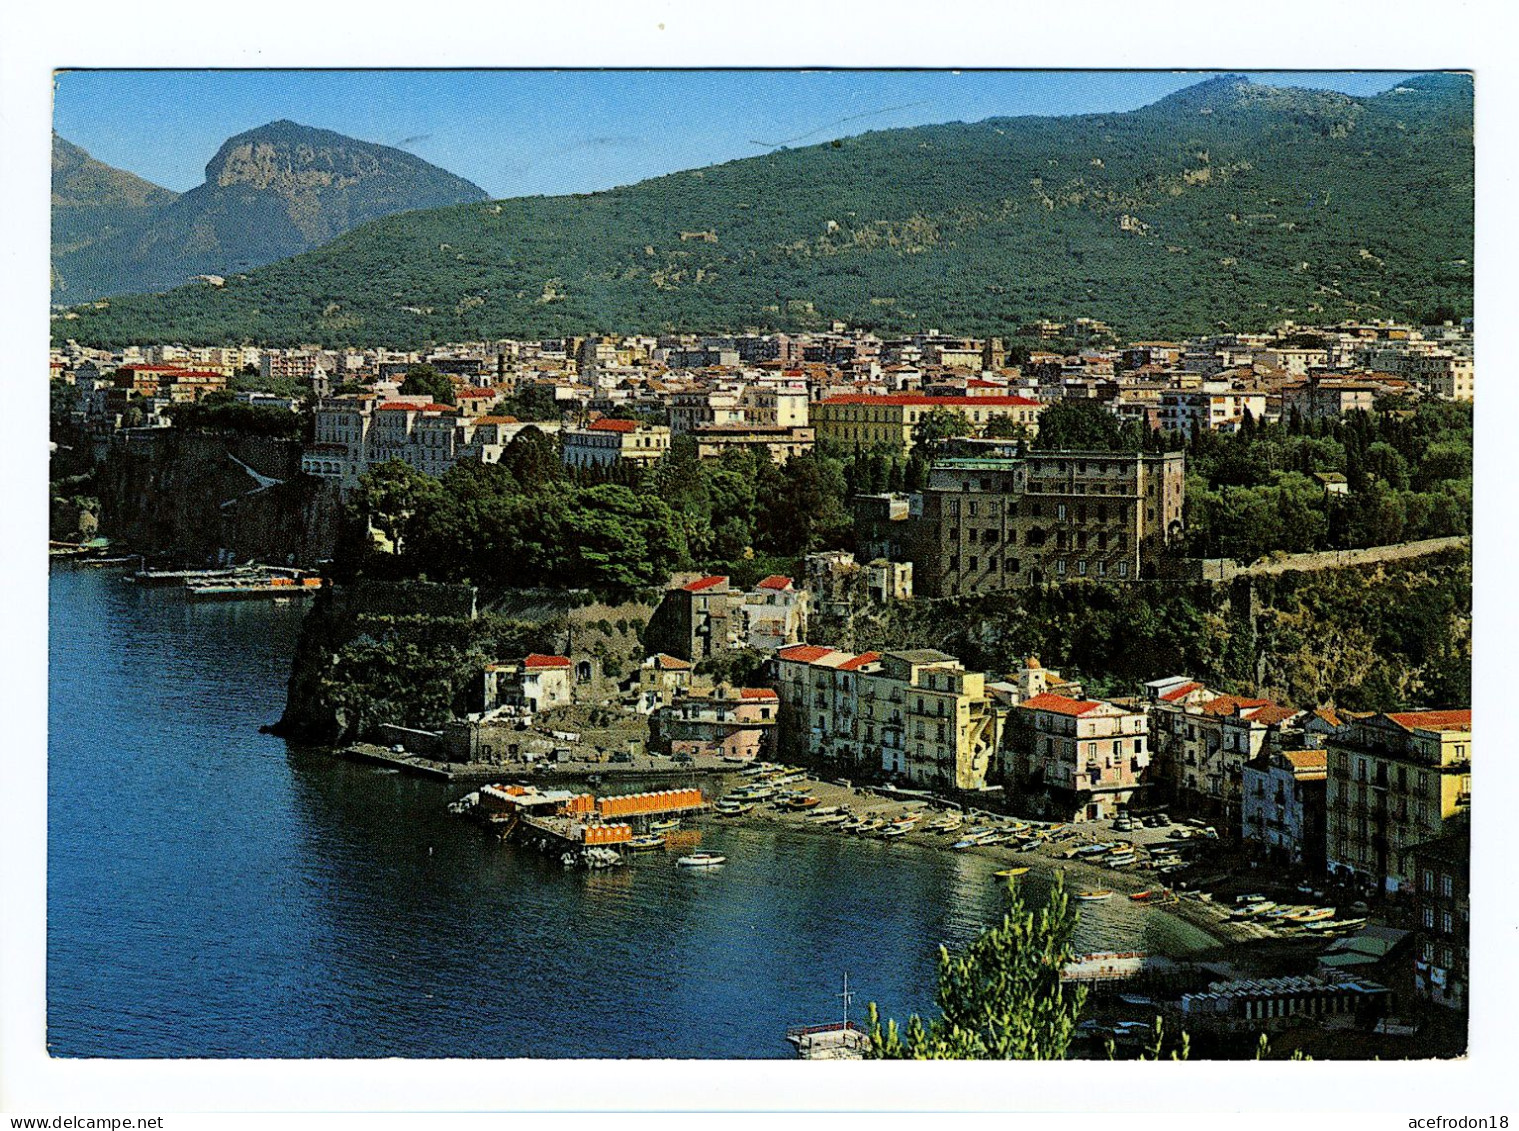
(1077, 759)
(733, 723)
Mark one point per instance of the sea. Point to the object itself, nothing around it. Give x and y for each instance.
(215, 892)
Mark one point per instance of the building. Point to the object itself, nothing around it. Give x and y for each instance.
(1395, 781)
(1270, 1005)
(779, 444)
(735, 723)
(1327, 398)
(865, 421)
(1216, 407)
(918, 715)
(1441, 874)
(534, 683)
(1203, 742)
(704, 616)
(660, 681)
(1076, 759)
(1001, 521)
(607, 442)
(1283, 806)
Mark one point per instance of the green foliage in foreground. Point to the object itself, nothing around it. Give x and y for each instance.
(1001, 998)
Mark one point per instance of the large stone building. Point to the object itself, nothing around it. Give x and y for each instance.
(736, 723)
(1003, 520)
(701, 617)
(1440, 873)
(1395, 781)
(865, 421)
(607, 442)
(916, 715)
(1076, 759)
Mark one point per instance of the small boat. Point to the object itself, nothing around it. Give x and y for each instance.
(664, 826)
(1095, 896)
(753, 793)
(1341, 925)
(1241, 900)
(891, 832)
(1318, 914)
(733, 809)
(803, 803)
(1146, 896)
(1283, 914)
(1120, 859)
(852, 824)
(1257, 910)
(827, 819)
(1094, 849)
(701, 860)
(648, 842)
(1009, 873)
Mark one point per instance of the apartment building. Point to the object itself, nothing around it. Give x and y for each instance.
(1327, 398)
(607, 442)
(917, 715)
(1216, 407)
(1283, 807)
(736, 723)
(1076, 759)
(1441, 875)
(1396, 780)
(702, 616)
(1001, 521)
(864, 421)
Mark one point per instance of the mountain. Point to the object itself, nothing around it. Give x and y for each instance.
(269, 193)
(1226, 204)
(92, 202)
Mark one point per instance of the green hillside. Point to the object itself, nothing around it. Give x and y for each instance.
(1228, 203)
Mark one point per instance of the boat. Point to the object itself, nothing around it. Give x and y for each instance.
(1318, 914)
(1147, 895)
(753, 793)
(1120, 859)
(852, 824)
(870, 825)
(1009, 873)
(1094, 849)
(701, 860)
(664, 826)
(1241, 900)
(827, 818)
(891, 832)
(1257, 910)
(800, 803)
(648, 842)
(732, 809)
(1094, 896)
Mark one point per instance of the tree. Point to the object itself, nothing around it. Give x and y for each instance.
(939, 425)
(1005, 428)
(1083, 426)
(425, 381)
(1001, 998)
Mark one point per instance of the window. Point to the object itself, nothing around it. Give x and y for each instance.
(1429, 918)
(1081, 567)
(1447, 886)
(1123, 569)
(1060, 566)
(1429, 879)
(1060, 511)
(1447, 923)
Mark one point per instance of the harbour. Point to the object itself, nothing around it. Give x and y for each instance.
(341, 910)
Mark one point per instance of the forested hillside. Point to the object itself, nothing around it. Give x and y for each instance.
(1227, 204)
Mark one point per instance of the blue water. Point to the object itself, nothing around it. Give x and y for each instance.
(213, 894)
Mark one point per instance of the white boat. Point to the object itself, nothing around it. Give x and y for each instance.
(701, 860)
(1094, 896)
(891, 832)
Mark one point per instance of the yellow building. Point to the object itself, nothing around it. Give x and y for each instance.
(860, 420)
(918, 714)
(1395, 781)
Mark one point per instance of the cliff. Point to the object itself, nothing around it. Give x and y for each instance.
(192, 494)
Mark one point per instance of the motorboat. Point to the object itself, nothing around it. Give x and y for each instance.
(665, 826)
(733, 808)
(893, 831)
(1090, 850)
(1316, 915)
(1241, 900)
(1120, 859)
(701, 860)
(1095, 896)
(648, 842)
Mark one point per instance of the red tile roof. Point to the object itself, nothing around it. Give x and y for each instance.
(401, 406)
(805, 653)
(757, 693)
(703, 583)
(606, 424)
(1180, 692)
(671, 663)
(1060, 705)
(775, 581)
(923, 399)
(1307, 759)
(477, 393)
(1271, 714)
(859, 661)
(1433, 720)
(538, 660)
(1228, 704)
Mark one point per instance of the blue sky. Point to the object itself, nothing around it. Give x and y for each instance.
(519, 133)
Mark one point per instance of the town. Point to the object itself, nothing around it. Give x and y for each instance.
(1057, 458)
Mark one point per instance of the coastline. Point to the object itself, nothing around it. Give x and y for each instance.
(1222, 932)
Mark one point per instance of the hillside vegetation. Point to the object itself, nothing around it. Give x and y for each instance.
(1227, 204)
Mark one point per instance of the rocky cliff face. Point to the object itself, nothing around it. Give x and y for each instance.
(185, 493)
(269, 193)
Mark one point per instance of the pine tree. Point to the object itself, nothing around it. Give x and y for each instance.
(1001, 998)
